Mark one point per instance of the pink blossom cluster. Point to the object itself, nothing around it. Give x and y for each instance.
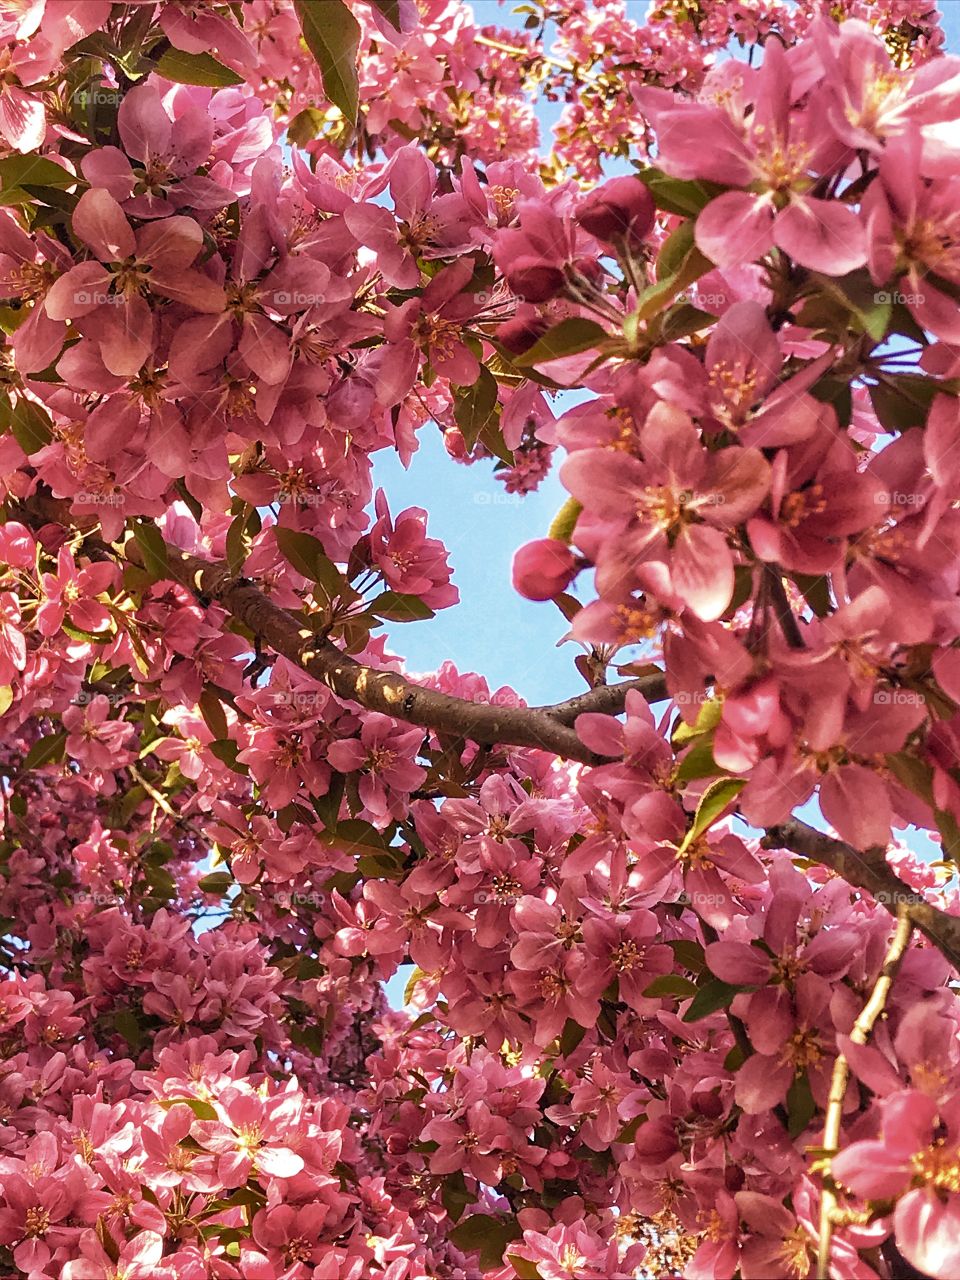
(226, 818)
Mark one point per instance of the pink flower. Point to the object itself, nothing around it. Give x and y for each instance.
(674, 506)
(619, 210)
(256, 1135)
(109, 300)
(915, 1162)
(93, 738)
(775, 151)
(384, 756)
(138, 1259)
(166, 179)
(410, 562)
(72, 591)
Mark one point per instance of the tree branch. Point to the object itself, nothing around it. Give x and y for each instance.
(869, 870)
(608, 699)
(547, 728)
(841, 1074)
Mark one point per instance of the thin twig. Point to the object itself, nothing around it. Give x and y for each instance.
(841, 1074)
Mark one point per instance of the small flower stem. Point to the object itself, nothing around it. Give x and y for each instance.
(841, 1072)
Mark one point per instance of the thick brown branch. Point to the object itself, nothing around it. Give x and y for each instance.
(384, 691)
(547, 728)
(869, 870)
(608, 699)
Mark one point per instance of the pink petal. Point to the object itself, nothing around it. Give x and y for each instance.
(823, 235)
(701, 571)
(735, 228)
(100, 223)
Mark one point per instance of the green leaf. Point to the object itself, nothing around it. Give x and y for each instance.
(698, 762)
(202, 1110)
(126, 1024)
(153, 549)
(455, 1195)
(568, 338)
(523, 1268)
(226, 751)
(688, 953)
(564, 522)
(486, 1235)
(38, 171)
(474, 407)
(48, 750)
(713, 995)
(682, 319)
(677, 195)
(216, 882)
(571, 1036)
(400, 608)
(671, 984)
(305, 126)
(734, 1059)
(801, 1107)
(679, 265)
(332, 35)
(390, 10)
(714, 801)
(306, 554)
(196, 68)
(211, 708)
(708, 717)
(415, 977)
(869, 306)
(903, 400)
(29, 423)
(6, 699)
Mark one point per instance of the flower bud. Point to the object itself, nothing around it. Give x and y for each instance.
(622, 207)
(542, 569)
(536, 279)
(519, 334)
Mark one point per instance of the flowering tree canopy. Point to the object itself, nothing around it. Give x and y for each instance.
(682, 1002)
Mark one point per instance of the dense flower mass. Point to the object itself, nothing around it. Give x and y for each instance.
(680, 952)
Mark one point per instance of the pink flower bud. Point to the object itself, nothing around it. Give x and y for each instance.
(519, 335)
(542, 569)
(621, 207)
(535, 279)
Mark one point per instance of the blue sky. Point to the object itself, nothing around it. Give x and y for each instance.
(493, 631)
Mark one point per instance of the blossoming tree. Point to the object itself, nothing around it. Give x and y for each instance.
(682, 1003)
